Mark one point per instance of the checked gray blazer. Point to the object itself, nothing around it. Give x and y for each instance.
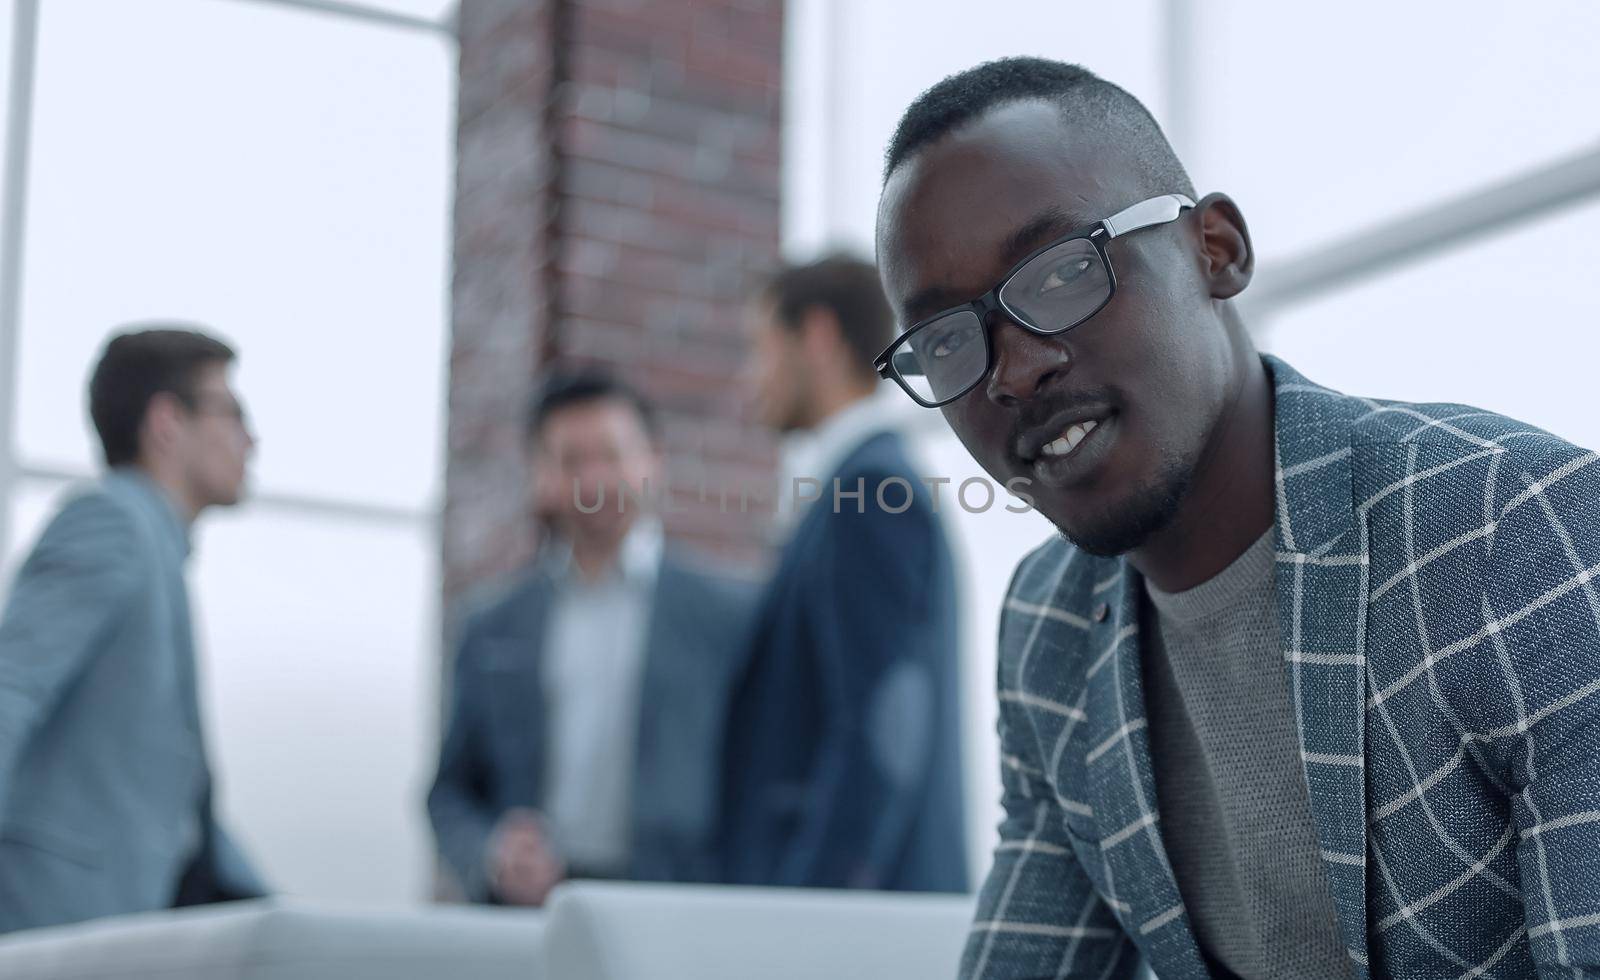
(1437, 603)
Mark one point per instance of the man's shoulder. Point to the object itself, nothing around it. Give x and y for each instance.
(1443, 463)
(1465, 502)
(102, 499)
(1449, 454)
(878, 502)
(883, 454)
(1447, 426)
(93, 516)
(93, 545)
(702, 610)
(687, 571)
(1379, 430)
(492, 605)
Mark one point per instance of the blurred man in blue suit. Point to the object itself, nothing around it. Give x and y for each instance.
(588, 699)
(105, 793)
(843, 765)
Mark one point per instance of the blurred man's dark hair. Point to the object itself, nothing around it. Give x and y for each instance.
(845, 286)
(136, 366)
(564, 389)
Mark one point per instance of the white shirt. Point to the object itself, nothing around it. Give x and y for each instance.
(593, 664)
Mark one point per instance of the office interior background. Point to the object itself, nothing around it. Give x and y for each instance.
(1422, 182)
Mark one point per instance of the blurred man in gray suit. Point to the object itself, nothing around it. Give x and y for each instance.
(586, 715)
(105, 792)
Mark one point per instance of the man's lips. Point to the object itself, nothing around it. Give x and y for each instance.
(1061, 434)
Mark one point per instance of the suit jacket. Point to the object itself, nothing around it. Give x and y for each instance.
(1441, 641)
(105, 795)
(844, 757)
(495, 745)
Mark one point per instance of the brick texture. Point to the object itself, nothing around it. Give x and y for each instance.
(617, 184)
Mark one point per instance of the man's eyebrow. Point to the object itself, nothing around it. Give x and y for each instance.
(1052, 221)
(928, 302)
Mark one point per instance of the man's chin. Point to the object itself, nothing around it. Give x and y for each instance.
(1125, 527)
(1101, 544)
(231, 497)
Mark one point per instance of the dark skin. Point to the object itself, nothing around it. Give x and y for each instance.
(1178, 473)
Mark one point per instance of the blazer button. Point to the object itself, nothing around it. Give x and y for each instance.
(1100, 612)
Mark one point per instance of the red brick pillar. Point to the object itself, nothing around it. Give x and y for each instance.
(617, 183)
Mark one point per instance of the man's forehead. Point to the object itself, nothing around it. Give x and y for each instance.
(964, 208)
(1049, 223)
(1033, 139)
(213, 377)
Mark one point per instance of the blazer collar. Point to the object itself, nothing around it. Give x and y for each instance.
(1312, 426)
(152, 501)
(1321, 555)
(1322, 584)
(638, 559)
(1122, 788)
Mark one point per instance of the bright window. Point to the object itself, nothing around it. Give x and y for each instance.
(282, 176)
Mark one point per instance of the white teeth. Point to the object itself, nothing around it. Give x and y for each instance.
(1069, 439)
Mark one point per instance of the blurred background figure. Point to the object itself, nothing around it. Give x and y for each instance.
(105, 791)
(844, 751)
(588, 701)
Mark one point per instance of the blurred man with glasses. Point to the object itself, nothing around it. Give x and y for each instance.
(1309, 685)
(843, 752)
(105, 789)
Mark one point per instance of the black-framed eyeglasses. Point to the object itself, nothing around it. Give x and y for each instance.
(1056, 288)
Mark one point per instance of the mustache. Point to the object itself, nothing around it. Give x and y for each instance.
(1043, 409)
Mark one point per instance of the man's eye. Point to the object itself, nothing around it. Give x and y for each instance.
(948, 344)
(1066, 274)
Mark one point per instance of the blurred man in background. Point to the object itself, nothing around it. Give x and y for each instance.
(105, 792)
(843, 754)
(589, 699)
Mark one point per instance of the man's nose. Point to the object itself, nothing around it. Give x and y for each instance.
(1024, 362)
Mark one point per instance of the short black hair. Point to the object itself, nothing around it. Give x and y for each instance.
(563, 389)
(138, 364)
(1108, 110)
(847, 287)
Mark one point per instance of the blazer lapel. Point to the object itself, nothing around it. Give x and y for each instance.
(1322, 587)
(514, 660)
(659, 675)
(1121, 780)
(676, 767)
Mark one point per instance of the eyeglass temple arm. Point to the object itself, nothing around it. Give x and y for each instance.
(1155, 211)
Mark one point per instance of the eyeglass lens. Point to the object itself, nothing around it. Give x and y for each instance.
(1055, 291)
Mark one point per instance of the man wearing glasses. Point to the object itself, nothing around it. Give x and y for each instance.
(105, 790)
(1310, 684)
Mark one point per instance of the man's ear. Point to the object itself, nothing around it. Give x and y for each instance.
(1228, 257)
(547, 491)
(821, 336)
(163, 417)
